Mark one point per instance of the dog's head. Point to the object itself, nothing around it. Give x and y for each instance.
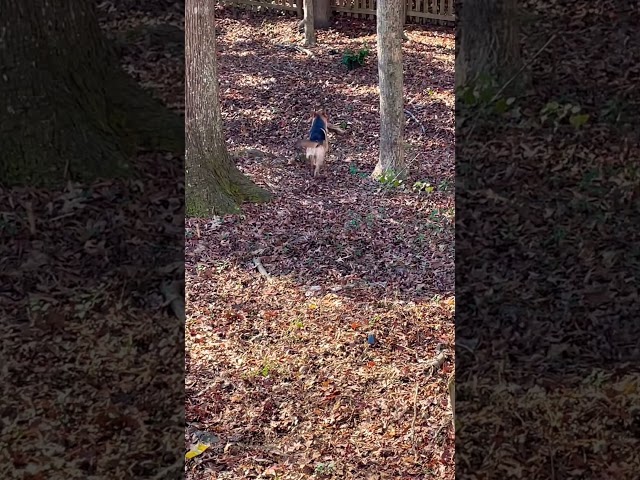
(322, 113)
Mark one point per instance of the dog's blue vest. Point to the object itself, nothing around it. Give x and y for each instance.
(317, 134)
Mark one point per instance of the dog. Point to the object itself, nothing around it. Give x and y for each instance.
(317, 146)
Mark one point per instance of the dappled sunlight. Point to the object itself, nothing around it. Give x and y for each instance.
(320, 351)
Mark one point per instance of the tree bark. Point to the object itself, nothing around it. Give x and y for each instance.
(69, 111)
(214, 185)
(489, 46)
(390, 21)
(321, 15)
(309, 29)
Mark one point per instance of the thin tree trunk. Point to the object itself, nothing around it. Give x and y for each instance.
(322, 14)
(309, 29)
(391, 161)
(488, 47)
(69, 112)
(299, 11)
(213, 183)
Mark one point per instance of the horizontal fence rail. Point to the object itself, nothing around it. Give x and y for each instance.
(416, 11)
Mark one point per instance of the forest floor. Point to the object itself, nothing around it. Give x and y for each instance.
(281, 381)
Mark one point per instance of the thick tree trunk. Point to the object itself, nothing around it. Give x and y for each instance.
(488, 47)
(309, 29)
(213, 183)
(391, 162)
(69, 112)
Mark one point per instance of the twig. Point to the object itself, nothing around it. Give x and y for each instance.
(408, 112)
(436, 362)
(413, 424)
(261, 269)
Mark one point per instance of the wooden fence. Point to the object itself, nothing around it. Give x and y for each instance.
(416, 11)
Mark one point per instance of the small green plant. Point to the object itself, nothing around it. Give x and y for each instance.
(7, 227)
(557, 113)
(354, 222)
(265, 369)
(423, 187)
(444, 185)
(478, 93)
(389, 178)
(614, 111)
(353, 59)
(354, 170)
(485, 96)
(221, 266)
(325, 468)
(297, 324)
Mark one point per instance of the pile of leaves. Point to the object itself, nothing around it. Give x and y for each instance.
(320, 330)
(548, 213)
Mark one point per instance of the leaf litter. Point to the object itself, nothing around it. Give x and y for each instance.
(313, 321)
(83, 314)
(550, 384)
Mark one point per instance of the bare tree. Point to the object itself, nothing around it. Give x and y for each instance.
(309, 28)
(214, 185)
(68, 110)
(390, 20)
(488, 44)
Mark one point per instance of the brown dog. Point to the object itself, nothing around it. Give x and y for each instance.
(317, 146)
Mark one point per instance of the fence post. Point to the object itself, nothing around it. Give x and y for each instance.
(405, 7)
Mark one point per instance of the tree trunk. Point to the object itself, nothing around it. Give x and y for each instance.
(391, 162)
(69, 112)
(213, 183)
(309, 29)
(321, 15)
(489, 46)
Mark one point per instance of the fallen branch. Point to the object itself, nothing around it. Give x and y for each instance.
(261, 269)
(452, 398)
(297, 48)
(424, 130)
(413, 424)
(436, 362)
(173, 297)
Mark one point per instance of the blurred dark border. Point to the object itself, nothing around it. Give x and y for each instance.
(547, 256)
